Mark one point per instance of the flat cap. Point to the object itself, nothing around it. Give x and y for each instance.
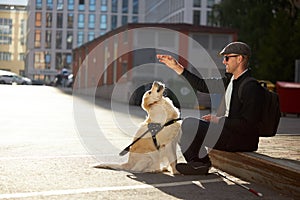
(236, 48)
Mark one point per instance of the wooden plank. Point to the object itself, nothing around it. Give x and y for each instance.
(261, 169)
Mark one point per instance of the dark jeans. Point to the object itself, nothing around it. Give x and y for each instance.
(198, 134)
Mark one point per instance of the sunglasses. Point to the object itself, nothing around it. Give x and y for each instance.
(226, 58)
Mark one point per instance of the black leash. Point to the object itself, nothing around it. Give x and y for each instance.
(153, 128)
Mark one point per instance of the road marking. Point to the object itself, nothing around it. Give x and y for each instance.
(106, 189)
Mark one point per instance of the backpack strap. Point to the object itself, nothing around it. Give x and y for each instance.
(246, 80)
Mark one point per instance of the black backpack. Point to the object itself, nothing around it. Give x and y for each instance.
(271, 111)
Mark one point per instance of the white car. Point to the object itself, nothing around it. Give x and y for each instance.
(12, 78)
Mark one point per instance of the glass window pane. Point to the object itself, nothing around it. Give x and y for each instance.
(114, 21)
(70, 20)
(124, 20)
(48, 39)
(197, 17)
(197, 3)
(80, 37)
(60, 5)
(81, 5)
(48, 20)
(69, 40)
(114, 6)
(125, 6)
(81, 21)
(37, 39)
(103, 21)
(135, 6)
(91, 35)
(91, 21)
(58, 39)
(103, 6)
(59, 23)
(38, 4)
(70, 4)
(210, 3)
(92, 5)
(49, 5)
(38, 19)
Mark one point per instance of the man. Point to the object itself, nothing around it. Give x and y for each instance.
(237, 125)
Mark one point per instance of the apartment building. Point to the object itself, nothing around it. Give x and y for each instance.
(197, 12)
(55, 27)
(12, 37)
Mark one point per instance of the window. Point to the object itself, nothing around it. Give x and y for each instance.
(103, 6)
(47, 60)
(81, 21)
(21, 57)
(48, 40)
(197, 3)
(125, 6)
(91, 35)
(49, 5)
(197, 17)
(135, 6)
(70, 20)
(37, 39)
(48, 20)
(210, 3)
(5, 31)
(218, 41)
(209, 17)
(68, 60)
(22, 27)
(38, 4)
(63, 60)
(81, 5)
(80, 37)
(69, 40)
(5, 39)
(91, 21)
(5, 27)
(5, 56)
(135, 19)
(114, 21)
(70, 4)
(202, 39)
(38, 19)
(60, 5)
(114, 6)
(59, 20)
(58, 39)
(103, 21)
(124, 20)
(92, 5)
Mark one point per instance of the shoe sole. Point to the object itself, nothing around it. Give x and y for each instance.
(186, 169)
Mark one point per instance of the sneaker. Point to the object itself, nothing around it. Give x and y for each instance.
(193, 168)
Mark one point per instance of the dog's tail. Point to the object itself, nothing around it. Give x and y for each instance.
(109, 166)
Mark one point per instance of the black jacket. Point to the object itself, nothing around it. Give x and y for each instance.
(240, 131)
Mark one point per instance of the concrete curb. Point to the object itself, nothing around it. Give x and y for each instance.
(277, 174)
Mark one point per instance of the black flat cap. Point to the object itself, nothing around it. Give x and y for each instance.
(236, 48)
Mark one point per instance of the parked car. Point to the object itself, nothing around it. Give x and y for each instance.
(7, 77)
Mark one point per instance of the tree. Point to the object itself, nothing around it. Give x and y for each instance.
(271, 28)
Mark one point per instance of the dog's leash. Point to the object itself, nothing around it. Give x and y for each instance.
(153, 128)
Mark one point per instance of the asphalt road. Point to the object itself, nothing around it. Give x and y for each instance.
(49, 141)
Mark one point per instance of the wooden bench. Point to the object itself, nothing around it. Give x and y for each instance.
(279, 174)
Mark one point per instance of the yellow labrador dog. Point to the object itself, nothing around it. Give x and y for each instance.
(158, 154)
